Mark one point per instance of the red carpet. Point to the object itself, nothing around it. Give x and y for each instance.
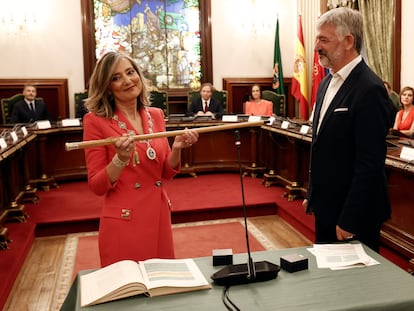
(217, 191)
(189, 242)
(11, 259)
(74, 208)
(71, 201)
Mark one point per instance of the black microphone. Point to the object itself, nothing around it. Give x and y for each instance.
(251, 271)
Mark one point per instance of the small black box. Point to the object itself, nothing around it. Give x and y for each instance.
(222, 257)
(294, 262)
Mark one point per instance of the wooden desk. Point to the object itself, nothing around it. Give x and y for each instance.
(51, 162)
(379, 287)
(14, 184)
(216, 151)
(398, 232)
(287, 159)
(213, 152)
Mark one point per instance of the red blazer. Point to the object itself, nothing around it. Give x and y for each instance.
(135, 221)
(265, 108)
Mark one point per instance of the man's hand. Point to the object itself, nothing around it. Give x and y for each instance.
(343, 235)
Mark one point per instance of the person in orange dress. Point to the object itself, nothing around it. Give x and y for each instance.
(404, 120)
(258, 106)
(135, 222)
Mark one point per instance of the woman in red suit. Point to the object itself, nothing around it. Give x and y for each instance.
(258, 106)
(404, 120)
(135, 222)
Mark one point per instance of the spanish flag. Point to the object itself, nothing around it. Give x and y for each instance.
(299, 81)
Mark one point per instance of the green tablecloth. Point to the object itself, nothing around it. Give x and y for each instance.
(379, 287)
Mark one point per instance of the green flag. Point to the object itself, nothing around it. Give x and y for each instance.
(277, 83)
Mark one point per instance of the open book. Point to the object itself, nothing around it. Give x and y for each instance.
(152, 277)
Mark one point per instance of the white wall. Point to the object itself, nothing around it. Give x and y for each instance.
(407, 43)
(238, 50)
(54, 50)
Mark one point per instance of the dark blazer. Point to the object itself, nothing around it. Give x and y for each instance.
(22, 114)
(347, 182)
(197, 105)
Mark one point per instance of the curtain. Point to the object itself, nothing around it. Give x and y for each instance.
(378, 29)
(353, 4)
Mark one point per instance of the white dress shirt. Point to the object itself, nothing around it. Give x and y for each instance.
(335, 84)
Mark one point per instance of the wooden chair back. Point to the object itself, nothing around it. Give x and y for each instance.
(159, 99)
(279, 107)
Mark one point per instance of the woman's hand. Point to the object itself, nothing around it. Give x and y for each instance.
(185, 140)
(124, 146)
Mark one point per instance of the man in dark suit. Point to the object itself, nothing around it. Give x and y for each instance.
(348, 191)
(29, 109)
(206, 105)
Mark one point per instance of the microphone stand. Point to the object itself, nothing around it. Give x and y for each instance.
(250, 272)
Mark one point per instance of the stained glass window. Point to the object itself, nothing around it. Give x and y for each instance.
(163, 36)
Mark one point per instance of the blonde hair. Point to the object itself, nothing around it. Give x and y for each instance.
(404, 89)
(100, 100)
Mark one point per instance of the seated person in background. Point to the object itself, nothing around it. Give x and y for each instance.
(29, 109)
(81, 109)
(206, 105)
(258, 106)
(404, 120)
(395, 100)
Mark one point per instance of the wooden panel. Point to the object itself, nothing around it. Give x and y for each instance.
(53, 91)
(398, 232)
(215, 151)
(51, 162)
(239, 89)
(287, 159)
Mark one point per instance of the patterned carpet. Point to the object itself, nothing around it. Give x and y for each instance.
(230, 231)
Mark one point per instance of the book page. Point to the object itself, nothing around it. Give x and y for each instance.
(171, 273)
(341, 256)
(103, 284)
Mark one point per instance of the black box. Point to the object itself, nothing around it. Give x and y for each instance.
(294, 262)
(222, 257)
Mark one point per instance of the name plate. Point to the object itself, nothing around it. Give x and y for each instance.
(229, 118)
(407, 153)
(43, 124)
(70, 122)
(14, 136)
(270, 121)
(304, 129)
(24, 131)
(3, 144)
(285, 125)
(254, 118)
